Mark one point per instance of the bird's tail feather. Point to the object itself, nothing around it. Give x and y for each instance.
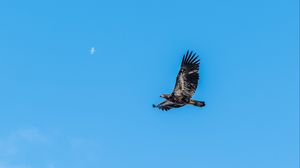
(197, 103)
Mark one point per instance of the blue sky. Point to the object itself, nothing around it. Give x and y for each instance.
(62, 107)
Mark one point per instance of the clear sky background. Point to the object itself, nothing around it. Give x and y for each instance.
(62, 107)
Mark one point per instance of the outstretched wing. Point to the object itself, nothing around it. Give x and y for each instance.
(166, 105)
(187, 78)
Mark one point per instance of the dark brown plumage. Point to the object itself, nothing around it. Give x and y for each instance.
(186, 85)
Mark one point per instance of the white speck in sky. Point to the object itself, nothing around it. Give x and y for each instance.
(92, 50)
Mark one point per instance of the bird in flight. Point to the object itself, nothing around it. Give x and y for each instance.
(186, 85)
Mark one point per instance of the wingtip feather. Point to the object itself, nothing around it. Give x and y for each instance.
(190, 58)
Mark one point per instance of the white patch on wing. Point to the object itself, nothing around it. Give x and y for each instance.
(193, 71)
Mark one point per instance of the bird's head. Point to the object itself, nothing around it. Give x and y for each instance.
(165, 96)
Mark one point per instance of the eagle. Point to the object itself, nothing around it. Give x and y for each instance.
(186, 85)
